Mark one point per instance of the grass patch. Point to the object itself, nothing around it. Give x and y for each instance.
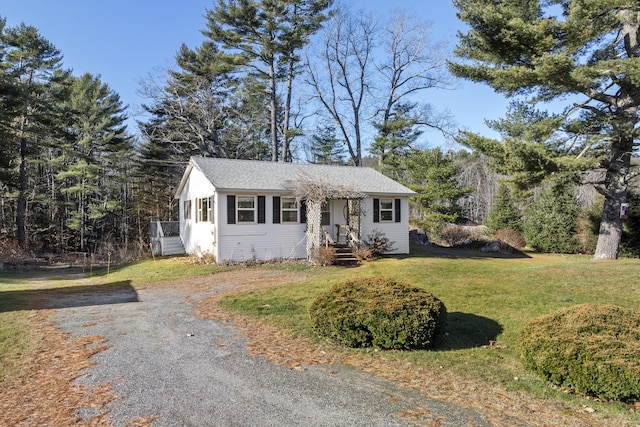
(489, 301)
(149, 271)
(22, 294)
(17, 339)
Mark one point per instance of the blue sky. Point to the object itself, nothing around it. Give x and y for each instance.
(123, 41)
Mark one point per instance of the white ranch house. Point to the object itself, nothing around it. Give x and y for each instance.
(240, 210)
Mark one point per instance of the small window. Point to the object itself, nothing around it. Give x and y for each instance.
(246, 209)
(289, 207)
(204, 209)
(325, 214)
(386, 210)
(186, 207)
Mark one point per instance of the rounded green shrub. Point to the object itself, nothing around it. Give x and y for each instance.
(592, 349)
(378, 312)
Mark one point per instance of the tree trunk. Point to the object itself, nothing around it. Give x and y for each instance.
(286, 150)
(21, 211)
(615, 194)
(610, 231)
(273, 105)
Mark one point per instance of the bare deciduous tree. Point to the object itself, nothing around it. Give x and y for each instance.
(364, 70)
(341, 75)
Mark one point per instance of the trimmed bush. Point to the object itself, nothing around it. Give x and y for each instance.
(592, 349)
(378, 312)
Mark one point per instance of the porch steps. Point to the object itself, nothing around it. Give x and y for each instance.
(169, 246)
(344, 255)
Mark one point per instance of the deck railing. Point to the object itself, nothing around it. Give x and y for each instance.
(165, 229)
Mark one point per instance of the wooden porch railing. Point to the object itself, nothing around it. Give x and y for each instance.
(165, 229)
(350, 237)
(326, 237)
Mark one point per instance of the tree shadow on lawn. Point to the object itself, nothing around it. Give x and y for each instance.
(465, 331)
(68, 297)
(434, 251)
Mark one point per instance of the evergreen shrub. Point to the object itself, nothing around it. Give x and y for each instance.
(504, 213)
(630, 244)
(378, 312)
(592, 349)
(552, 221)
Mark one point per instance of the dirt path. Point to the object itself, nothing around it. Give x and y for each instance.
(168, 355)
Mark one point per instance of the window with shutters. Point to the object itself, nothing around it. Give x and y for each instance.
(386, 210)
(246, 209)
(289, 209)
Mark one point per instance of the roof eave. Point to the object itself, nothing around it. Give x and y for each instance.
(183, 181)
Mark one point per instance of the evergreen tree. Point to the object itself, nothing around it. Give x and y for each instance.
(325, 147)
(432, 174)
(93, 158)
(262, 38)
(29, 64)
(552, 220)
(395, 139)
(549, 50)
(504, 213)
(202, 110)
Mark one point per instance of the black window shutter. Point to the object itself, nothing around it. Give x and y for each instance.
(397, 208)
(376, 210)
(276, 209)
(261, 209)
(303, 211)
(231, 209)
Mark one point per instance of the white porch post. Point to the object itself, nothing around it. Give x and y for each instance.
(314, 231)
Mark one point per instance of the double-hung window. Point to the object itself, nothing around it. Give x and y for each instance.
(386, 210)
(289, 209)
(204, 209)
(246, 209)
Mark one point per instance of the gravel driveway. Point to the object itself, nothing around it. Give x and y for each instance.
(167, 363)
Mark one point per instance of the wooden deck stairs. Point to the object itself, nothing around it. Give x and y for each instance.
(344, 251)
(344, 255)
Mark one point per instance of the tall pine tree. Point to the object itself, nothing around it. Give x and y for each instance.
(262, 38)
(29, 64)
(96, 146)
(550, 50)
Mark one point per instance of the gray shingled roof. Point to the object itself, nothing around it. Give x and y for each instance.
(252, 175)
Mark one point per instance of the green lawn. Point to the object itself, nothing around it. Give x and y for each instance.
(488, 301)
